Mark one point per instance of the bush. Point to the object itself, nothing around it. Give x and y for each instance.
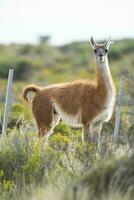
(23, 70)
(115, 53)
(114, 176)
(4, 67)
(25, 49)
(26, 160)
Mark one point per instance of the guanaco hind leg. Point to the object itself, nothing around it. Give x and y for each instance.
(43, 113)
(42, 131)
(46, 127)
(55, 122)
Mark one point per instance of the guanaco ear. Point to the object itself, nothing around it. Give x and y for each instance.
(108, 42)
(93, 43)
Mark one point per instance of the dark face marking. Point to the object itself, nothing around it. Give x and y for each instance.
(101, 50)
(100, 53)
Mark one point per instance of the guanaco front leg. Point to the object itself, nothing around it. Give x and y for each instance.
(96, 133)
(87, 133)
(92, 133)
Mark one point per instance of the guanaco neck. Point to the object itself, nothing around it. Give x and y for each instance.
(104, 79)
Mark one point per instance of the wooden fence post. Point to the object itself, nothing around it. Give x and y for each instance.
(118, 110)
(8, 101)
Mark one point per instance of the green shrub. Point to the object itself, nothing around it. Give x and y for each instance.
(18, 117)
(26, 159)
(111, 177)
(4, 67)
(115, 53)
(23, 70)
(25, 49)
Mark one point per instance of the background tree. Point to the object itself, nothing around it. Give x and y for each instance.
(44, 39)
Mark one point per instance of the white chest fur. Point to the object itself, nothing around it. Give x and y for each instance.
(107, 111)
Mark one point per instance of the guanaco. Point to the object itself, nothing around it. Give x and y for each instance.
(82, 103)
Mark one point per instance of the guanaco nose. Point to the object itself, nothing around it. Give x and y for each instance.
(100, 54)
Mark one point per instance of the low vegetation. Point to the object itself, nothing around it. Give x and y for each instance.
(65, 165)
(65, 169)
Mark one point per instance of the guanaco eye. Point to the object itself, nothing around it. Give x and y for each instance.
(95, 51)
(106, 50)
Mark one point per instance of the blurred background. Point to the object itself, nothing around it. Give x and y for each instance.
(48, 42)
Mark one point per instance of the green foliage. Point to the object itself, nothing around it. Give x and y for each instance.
(75, 58)
(116, 53)
(23, 70)
(64, 167)
(4, 67)
(25, 49)
(19, 116)
(60, 141)
(115, 175)
(31, 162)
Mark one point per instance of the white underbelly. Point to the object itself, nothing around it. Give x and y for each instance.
(72, 120)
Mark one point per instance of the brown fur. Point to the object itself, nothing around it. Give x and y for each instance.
(83, 94)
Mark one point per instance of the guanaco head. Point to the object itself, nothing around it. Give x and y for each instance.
(101, 50)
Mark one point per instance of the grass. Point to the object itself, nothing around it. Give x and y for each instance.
(65, 168)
